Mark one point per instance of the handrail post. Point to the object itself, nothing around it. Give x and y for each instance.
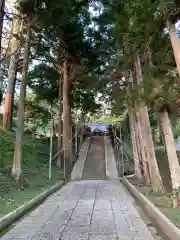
(122, 153)
(51, 148)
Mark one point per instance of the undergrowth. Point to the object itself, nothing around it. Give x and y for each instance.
(35, 171)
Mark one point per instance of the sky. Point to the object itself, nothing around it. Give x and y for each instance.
(178, 27)
(177, 24)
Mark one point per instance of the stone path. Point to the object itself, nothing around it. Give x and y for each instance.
(84, 210)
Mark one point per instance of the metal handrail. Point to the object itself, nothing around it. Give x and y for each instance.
(63, 149)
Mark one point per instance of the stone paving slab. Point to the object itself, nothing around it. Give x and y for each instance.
(84, 210)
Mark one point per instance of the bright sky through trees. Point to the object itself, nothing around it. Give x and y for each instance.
(178, 27)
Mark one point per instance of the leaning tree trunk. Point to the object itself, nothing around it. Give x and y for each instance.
(174, 167)
(175, 42)
(16, 170)
(66, 121)
(154, 170)
(59, 139)
(15, 53)
(136, 159)
(155, 176)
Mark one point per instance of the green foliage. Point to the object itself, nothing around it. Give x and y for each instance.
(44, 80)
(36, 115)
(140, 26)
(169, 9)
(35, 171)
(106, 120)
(71, 38)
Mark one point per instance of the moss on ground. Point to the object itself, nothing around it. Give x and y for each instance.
(164, 203)
(35, 171)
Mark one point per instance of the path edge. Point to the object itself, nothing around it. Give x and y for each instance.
(105, 156)
(10, 218)
(79, 165)
(110, 162)
(164, 224)
(85, 157)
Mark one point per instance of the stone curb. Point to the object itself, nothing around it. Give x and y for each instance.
(10, 218)
(105, 155)
(110, 163)
(85, 157)
(79, 165)
(164, 224)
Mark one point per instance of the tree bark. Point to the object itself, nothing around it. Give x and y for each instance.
(142, 147)
(137, 165)
(175, 42)
(54, 129)
(155, 176)
(15, 54)
(67, 144)
(59, 139)
(70, 123)
(138, 144)
(154, 170)
(16, 170)
(174, 167)
(2, 5)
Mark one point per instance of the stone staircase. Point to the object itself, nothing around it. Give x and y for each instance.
(94, 168)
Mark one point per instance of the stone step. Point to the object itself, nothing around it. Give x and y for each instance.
(94, 168)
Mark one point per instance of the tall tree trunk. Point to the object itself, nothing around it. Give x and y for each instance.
(2, 5)
(139, 137)
(155, 176)
(142, 147)
(71, 123)
(54, 129)
(136, 159)
(12, 105)
(174, 167)
(138, 144)
(66, 120)
(153, 166)
(15, 53)
(175, 42)
(59, 139)
(16, 170)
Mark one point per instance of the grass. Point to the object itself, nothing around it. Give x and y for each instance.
(162, 201)
(35, 171)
